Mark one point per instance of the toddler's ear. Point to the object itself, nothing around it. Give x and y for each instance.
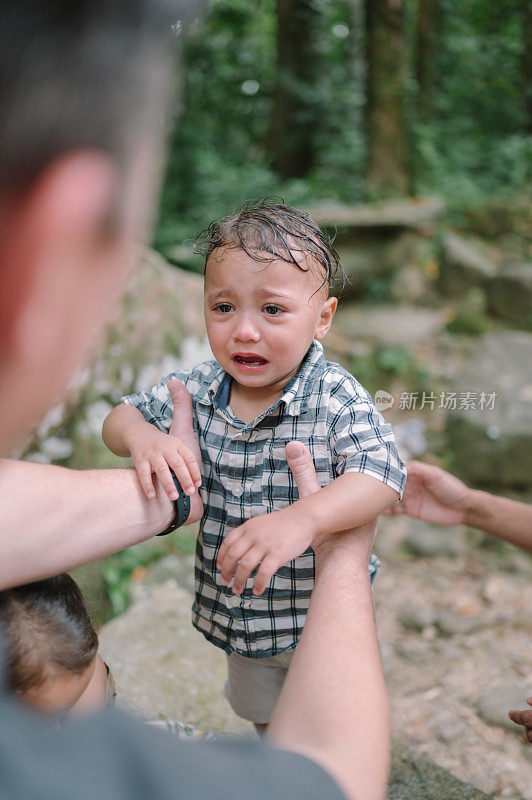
(326, 315)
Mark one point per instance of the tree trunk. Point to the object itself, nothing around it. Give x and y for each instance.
(427, 29)
(387, 139)
(297, 108)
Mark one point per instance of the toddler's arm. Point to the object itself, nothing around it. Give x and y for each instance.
(126, 432)
(273, 540)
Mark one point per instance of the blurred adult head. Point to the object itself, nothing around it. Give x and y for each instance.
(83, 91)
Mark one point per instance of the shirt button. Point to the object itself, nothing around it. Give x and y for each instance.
(245, 436)
(238, 490)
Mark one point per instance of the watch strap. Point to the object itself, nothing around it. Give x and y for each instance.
(181, 508)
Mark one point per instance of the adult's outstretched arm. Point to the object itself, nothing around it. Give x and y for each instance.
(333, 707)
(53, 519)
(434, 495)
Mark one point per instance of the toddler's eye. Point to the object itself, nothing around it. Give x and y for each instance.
(223, 308)
(272, 310)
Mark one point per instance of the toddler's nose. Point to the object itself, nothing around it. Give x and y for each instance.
(246, 330)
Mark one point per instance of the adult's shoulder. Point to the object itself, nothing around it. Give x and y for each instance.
(134, 762)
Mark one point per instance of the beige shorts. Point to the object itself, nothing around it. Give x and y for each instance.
(253, 684)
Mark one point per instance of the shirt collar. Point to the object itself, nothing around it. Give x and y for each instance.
(297, 392)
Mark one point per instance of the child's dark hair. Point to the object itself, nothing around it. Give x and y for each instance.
(272, 230)
(47, 630)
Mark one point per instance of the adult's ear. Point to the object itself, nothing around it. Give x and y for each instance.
(47, 234)
(326, 317)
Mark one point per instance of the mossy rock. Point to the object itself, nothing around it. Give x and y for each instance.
(415, 777)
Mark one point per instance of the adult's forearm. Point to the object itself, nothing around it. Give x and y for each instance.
(498, 516)
(53, 519)
(333, 707)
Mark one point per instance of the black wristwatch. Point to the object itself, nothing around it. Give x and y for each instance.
(181, 507)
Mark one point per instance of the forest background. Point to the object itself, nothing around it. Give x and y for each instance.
(350, 101)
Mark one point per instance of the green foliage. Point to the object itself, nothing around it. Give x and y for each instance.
(474, 146)
(117, 570)
(469, 321)
(476, 142)
(385, 364)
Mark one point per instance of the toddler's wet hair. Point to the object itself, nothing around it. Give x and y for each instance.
(273, 230)
(47, 631)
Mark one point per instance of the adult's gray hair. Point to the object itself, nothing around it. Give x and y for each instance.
(81, 74)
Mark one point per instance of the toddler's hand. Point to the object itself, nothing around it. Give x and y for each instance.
(271, 540)
(277, 543)
(155, 452)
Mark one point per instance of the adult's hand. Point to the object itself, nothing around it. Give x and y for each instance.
(433, 495)
(524, 718)
(436, 496)
(182, 427)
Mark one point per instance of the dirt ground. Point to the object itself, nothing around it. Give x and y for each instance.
(456, 628)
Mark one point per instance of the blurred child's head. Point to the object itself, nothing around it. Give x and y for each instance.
(268, 270)
(51, 643)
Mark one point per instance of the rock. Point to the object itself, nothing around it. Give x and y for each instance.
(164, 668)
(413, 616)
(493, 706)
(416, 777)
(431, 541)
(450, 623)
(447, 730)
(390, 325)
(489, 424)
(510, 294)
(394, 265)
(408, 212)
(463, 264)
(172, 567)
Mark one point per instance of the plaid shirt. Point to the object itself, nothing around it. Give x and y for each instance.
(245, 474)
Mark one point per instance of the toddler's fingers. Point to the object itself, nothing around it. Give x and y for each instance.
(145, 478)
(227, 564)
(190, 461)
(167, 482)
(246, 565)
(228, 542)
(264, 574)
(177, 462)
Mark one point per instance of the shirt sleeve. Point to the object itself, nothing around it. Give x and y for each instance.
(360, 438)
(156, 405)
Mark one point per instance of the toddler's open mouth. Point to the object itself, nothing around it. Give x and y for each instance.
(249, 360)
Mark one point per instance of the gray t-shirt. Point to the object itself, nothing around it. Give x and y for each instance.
(110, 756)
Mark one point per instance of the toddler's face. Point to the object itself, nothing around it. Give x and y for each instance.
(261, 316)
